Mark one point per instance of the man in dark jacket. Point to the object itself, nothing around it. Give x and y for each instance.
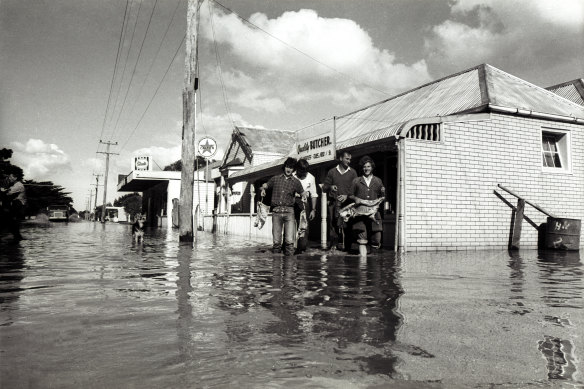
(337, 184)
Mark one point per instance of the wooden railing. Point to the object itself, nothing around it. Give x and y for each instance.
(519, 215)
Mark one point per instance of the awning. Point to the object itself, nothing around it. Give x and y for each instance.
(264, 170)
(140, 181)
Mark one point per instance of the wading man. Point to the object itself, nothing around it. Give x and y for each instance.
(337, 184)
(285, 187)
(367, 190)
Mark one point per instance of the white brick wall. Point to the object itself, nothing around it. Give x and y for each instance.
(450, 204)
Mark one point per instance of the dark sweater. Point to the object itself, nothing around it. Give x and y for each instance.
(342, 181)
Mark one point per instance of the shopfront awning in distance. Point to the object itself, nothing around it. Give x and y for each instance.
(139, 181)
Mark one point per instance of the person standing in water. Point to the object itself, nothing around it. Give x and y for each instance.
(366, 189)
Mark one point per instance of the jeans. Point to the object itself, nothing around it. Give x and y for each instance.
(283, 221)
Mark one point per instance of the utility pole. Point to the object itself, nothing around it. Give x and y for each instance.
(189, 114)
(96, 189)
(107, 154)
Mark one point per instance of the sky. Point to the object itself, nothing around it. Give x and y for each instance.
(77, 74)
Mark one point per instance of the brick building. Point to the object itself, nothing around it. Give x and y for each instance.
(443, 148)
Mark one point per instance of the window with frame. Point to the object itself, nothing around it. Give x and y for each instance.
(555, 150)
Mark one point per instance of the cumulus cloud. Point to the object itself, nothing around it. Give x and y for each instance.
(95, 164)
(40, 160)
(322, 58)
(162, 156)
(528, 33)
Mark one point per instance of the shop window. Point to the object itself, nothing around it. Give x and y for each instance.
(555, 150)
(429, 132)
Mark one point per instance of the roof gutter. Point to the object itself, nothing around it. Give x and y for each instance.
(534, 114)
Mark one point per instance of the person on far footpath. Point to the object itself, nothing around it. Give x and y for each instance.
(285, 187)
(364, 191)
(309, 185)
(15, 197)
(337, 185)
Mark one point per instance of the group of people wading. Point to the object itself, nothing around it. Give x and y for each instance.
(352, 212)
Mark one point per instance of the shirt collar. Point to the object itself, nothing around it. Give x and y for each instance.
(343, 172)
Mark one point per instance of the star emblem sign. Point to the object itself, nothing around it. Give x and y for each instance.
(207, 148)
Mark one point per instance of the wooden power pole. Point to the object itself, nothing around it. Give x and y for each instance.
(107, 154)
(96, 190)
(188, 133)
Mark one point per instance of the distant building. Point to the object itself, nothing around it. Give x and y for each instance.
(249, 148)
(161, 192)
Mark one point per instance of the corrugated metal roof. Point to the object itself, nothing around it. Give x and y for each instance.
(457, 93)
(263, 169)
(512, 92)
(264, 140)
(469, 91)
(571, 90)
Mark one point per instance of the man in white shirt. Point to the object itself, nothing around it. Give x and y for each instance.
(309, 185)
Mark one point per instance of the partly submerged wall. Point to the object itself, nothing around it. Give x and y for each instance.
(450, 185)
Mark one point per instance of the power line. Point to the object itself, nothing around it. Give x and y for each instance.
(115, 69)
(298, 50)
(126, 63)
(135, 66)
(218, 59)
(154, 59)
(155, 92)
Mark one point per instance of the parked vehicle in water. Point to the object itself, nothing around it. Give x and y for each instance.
(58, 213)
(116, 215)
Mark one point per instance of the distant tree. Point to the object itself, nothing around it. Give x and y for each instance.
(131, 202)
(40, 195)
(174, 167)
(177, 166)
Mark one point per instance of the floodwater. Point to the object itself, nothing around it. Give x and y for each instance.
(82, 306)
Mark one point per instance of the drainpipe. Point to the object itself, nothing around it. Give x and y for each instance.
(400, 233)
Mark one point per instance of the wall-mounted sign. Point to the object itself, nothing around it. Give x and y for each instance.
(142, 163)
(207, 147)
(316, 143)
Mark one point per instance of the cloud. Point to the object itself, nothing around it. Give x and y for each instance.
(40, 160)
(515, 34)
(321, 59)
(162, 156)
(96, 164)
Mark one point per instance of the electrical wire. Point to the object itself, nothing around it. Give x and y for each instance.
(218, 59)
(298, 50)
(134, 70)
(126, 62)
(120, 40)
(154, 59)
(155, 92)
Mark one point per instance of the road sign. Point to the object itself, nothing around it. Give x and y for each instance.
(207, 147)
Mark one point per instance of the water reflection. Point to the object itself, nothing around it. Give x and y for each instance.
(315, 300)
(11, 275)
(562, 287)
(517, 279)
(82, 300)
(561, 278)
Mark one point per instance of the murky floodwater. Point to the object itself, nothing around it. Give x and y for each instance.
(82, 306)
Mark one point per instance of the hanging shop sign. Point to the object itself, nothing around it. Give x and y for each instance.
(207, 147)
(316, 143)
